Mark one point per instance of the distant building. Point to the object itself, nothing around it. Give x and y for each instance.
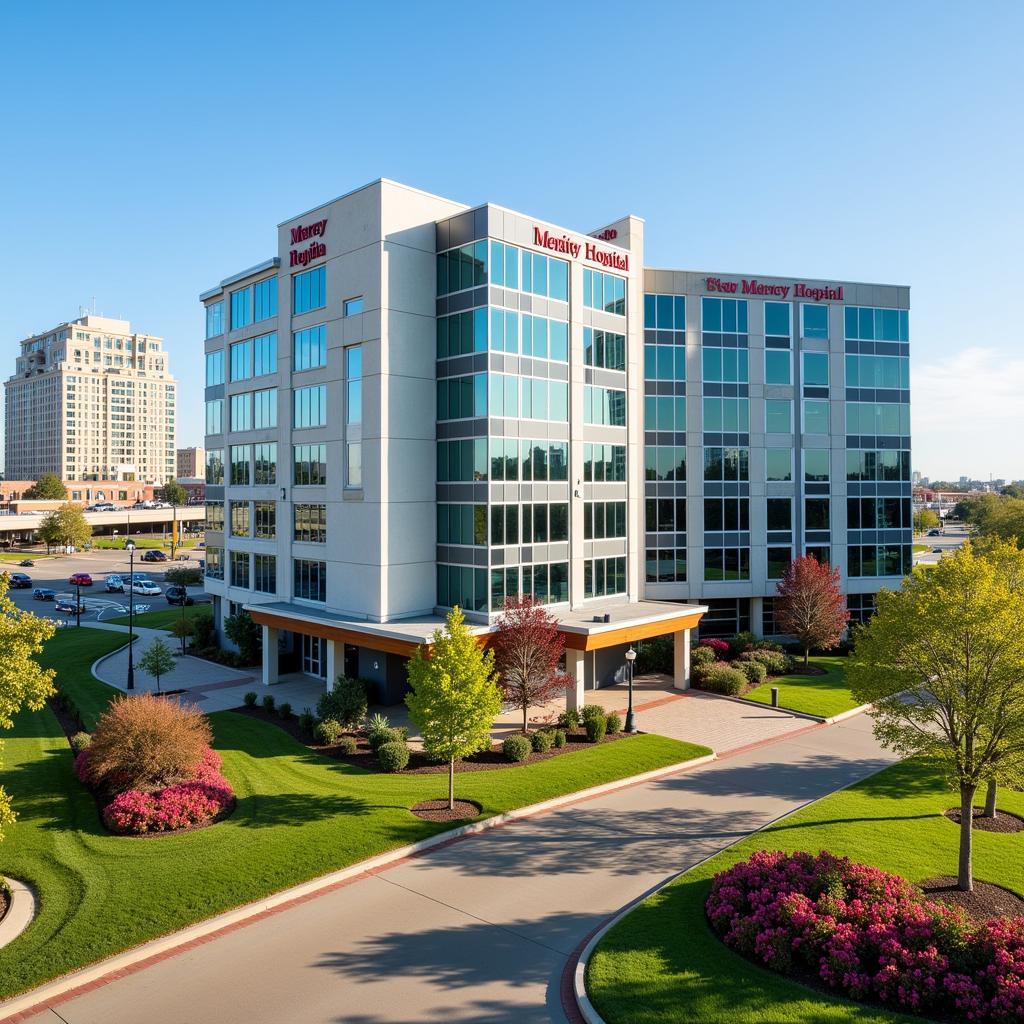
(91, 400)
(191, 462)
(916, 479)
(81, 492)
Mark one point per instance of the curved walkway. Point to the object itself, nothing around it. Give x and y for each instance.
(482, 929)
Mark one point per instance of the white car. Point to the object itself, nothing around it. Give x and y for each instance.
(115, 585)
(146, 587)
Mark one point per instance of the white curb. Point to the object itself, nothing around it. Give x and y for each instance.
(39, 997)
(19, 914)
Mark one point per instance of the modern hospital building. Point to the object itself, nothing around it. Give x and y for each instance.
(416, 404)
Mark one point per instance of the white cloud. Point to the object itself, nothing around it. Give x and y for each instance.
(967, 415)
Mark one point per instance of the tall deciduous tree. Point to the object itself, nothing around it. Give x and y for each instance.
(942, 661)
(49, 487)
(527, 649)
(174, 494)
(157, 661)
(23, 682)
(809, 605)
(65, 526)
(454, 696)
(925, 519)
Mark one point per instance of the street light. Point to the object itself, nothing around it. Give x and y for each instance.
(78, 605)
(630, 718)
(131, 610)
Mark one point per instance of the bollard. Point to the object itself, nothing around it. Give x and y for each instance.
(775, 696)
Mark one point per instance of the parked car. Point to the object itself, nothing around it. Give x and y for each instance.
(145, 587)
(153, 555)
(934, 533)
(43, 594)
(179, 596)
(80, 579)
(26, 563)
(101, 506)
(66, 603)
(936, 551)
(115, 584)
(129, 578)
(19, 581)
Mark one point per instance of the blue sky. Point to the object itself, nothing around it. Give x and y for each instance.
(150, 150)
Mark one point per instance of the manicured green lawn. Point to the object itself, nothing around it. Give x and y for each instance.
(824, 696)
(163, 618)
(117, 544)
(920, 547)
(299, 815)
(661, 963)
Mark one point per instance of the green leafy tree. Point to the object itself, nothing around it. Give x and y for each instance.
(454, 697)
(925, 519)
(49, 487)
(182, 629)
(174, 494)
(246, 635)
(157, 661)
(183, 576)
(942, 661)
(23, 683)
(65, 526)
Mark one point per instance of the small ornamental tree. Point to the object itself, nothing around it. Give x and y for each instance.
(49, 487)
(174, 494)
(182, 629)
(246, 635)
(454, 697)
(527, 648)
(65, 526)
(23, 683)
(157, 661)
(942, 661)
(925, 519)
(183, 576)
(809, 605)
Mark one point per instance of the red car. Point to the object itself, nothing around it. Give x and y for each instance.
(80, 579)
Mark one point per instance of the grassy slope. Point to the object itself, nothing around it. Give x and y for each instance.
(825, 695)
(299, 815)
(661, 963)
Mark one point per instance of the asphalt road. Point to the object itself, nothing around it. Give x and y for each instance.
(480, 930)
(952, 537)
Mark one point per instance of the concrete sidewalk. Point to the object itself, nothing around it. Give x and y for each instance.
(481, 929)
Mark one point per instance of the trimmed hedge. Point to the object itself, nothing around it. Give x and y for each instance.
(723, 679)
(516, 748)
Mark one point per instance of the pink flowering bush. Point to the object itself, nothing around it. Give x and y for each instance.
(196, 801)
(720, 647)
(869, 935)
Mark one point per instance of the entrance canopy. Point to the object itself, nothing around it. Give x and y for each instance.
(627, 623)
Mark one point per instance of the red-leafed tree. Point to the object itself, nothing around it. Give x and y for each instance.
(527, 649)
(810, 606)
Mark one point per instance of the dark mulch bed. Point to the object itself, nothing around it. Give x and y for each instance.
(438, 810)
(983, 902)
(419, 763)
(5, 901)
(1002, 822)
(68, 722)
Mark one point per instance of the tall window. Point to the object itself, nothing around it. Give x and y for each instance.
(265, 408)
(309, 348)
(241, 455)
(310, 408)
(604, 291)
(239, 518)
(264, 355)
(309, 290)
(463, 267)
(265, 574)
(240, 569)
(215, 416)
(265, 463)
(265, 517)
(241, 411)
(241, 308)
(353, 416)
(310, 580)
(265, 299)
(215, 367)
(215, 466)
(214, 319)
(241, 360)
(310, 465)
(604, 406)
(815, 320)
(604, 348)
(310, 524)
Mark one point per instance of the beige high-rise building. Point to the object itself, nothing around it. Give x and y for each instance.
(191, 462)
(91, 400)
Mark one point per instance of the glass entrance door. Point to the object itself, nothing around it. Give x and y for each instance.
(314, 656)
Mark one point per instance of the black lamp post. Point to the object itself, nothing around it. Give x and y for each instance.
(630, 717)
(131, 612)
(78, 605)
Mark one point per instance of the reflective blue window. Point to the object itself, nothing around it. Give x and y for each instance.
(265, 299)
(727, 316)
(214, 367)
(607, 349)
(241, 308)
(310, 406)
(353, 306)
(816, 369)
(309, 348)
(815, 320)
(777, 366)
(309, 290)
(241, 360)
(865, 323)
(604, 291)
(214, 319)
(264, 355)
(776, 319)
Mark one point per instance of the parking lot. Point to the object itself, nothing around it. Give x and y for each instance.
(53, 572)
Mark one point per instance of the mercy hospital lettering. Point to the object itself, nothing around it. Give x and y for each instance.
(567, 245)
(754, 287)
(300, 257)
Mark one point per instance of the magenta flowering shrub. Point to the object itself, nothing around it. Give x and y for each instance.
(720, 647)
(197, 801)
(869, 935)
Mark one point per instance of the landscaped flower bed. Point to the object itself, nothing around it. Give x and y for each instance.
(869, 935)
(188, 804)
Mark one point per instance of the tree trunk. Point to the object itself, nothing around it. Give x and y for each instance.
(525, 716)
(451, 784)
(807, 657)
(965, 877)
(990, 799)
